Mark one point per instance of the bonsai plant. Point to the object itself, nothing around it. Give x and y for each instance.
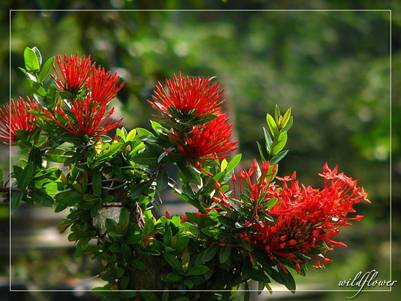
(247, 224)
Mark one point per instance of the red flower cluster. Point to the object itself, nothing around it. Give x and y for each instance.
(85, 117)
(306, 218)
(186, 95)
(192, 101)
(208, 141)
(16, 116)
(90, 115)
(73, 72)
(103, 85)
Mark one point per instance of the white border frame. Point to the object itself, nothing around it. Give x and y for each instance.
(217, 10)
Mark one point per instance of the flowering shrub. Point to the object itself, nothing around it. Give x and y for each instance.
(247, 224)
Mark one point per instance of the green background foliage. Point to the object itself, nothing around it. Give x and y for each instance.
(332, 68)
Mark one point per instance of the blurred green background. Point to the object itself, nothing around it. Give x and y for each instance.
(331, 67)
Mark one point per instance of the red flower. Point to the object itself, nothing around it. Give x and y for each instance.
(208, 141)
(187, 96)
(86, 117)
(15, 116)
(306, 219)
(73, 72)
(103, 85)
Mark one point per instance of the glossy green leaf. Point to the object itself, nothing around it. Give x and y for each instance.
(268, 140)
(233, 163)
(38, 55)
(42, 198)
(31, 60)
(270, 203)
(209, 254)
(272, 125)
(157, 127)
(58, 155)
(131, 135)
(288, 124)
(173, 277)
(25, 177)
(260, 149)
(46, 69)
(198, 270)
(172, 261)
(138, 264)
(16, 198)
(67, 198)
(276, 158)
(277, 113)
(97, 183)
(124, 218)
(286, 118)
(280, 143)
(224, 255)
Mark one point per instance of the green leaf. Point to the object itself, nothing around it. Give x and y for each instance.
(272, 125)
(42, 198)
(288, 124)
(276, 158)
(173, 277)
(97, 183)
(46, 69)
(131, 135)
(157, 127)
(270, 203)
(31, 60)
(25, 177)
(172, 261)
(35, 156)
(124, 218)
(121, 132)
(16, 197)
(38, 55)
(281, 277)
(143, 132)
(286, 118)
(67, 198)
(167, 236)
(290, 282)
(209, 254)
(224, 255)
(52, 188)
(223, 165)
(182, 243)
(138, 264)
(111, 225)
(162, 180)
(149, 227)
(277, 113)
(233, 163)
(198, 270)
(268, 140)
(29, 75)
(58, 155)
(262, 156)
(38, 89)
(280, 143)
